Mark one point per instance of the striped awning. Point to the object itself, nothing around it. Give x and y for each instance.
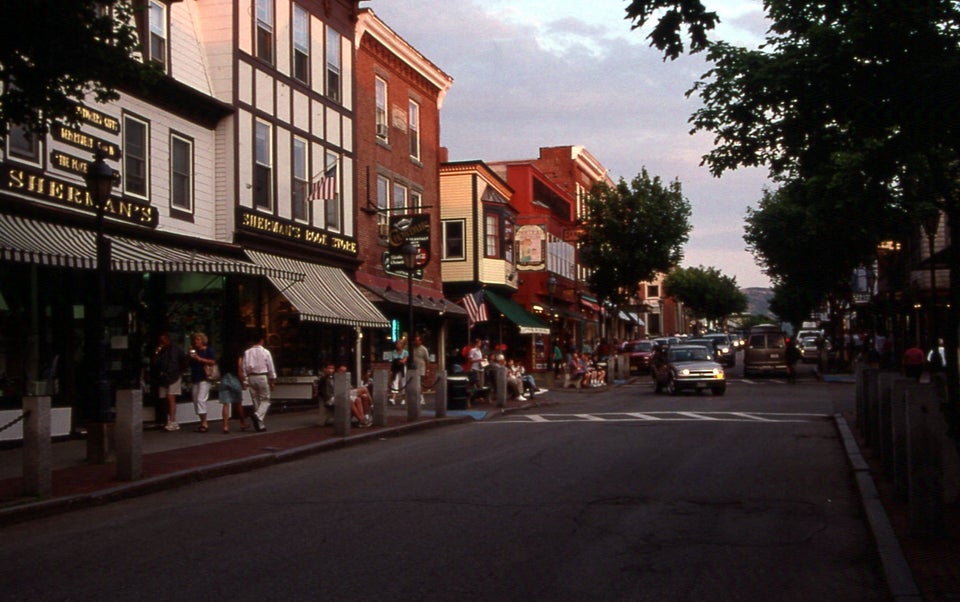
(26, 240)
(325, 294)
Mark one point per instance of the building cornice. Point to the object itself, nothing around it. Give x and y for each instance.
(369, 23)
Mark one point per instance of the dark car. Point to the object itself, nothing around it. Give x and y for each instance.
(687, 367)
(723, 345)
(639, 353)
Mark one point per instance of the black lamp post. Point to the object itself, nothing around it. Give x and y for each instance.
(410, 251)
(100, 178)
(931, 221)
(552, 289)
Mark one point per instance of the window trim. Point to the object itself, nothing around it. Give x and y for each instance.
(191, 192)
(462, 223)
(300, 182)
(127, 155)
(491, 235)
(299, 11)
(333, 69)
(265, 52)
(413, 125)
(164, 34)
(34, 156)
(268, 166)
(382, 94)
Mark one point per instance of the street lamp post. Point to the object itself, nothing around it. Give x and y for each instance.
(552, 289)
(931, 221)
(99, 179)
(410, 252)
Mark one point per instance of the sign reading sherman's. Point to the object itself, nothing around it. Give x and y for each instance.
(260, 223)
(42, 186)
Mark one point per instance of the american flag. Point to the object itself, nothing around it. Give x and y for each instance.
(476, 308)
(325, 188)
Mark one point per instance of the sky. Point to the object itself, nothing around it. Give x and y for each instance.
(537, 73)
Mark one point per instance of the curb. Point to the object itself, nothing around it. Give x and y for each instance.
(172, 480)
(897, 572)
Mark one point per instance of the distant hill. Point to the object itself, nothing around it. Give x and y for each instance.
(758, 300)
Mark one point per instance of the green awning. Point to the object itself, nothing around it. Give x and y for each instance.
(528, 323)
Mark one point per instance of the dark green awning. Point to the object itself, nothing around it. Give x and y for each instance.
(528, 323)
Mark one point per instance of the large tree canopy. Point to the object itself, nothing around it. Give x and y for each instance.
(706, 293)
(858, 92)
(53, 53)
(631, 232)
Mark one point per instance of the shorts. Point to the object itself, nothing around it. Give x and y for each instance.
(175, 389)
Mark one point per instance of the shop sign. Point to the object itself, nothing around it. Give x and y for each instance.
(98, 120)
(67, 194)
(269, 225)
(78, 139)
(414, 228)
(573, 234)
(531, 242)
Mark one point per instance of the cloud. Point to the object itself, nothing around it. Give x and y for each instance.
(538, 73)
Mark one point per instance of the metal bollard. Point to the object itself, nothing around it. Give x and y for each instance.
(381, 386)
(37, 447)
(129, 434)
(341, 404)
(440, 395)
(413, 395)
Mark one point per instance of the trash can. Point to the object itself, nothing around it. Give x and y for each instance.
(457, 392)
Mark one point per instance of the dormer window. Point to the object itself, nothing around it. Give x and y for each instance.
(157, 34)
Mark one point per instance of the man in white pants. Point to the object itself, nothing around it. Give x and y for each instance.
(260, 376)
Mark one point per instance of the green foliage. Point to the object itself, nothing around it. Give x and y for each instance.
(666, 34)
(54, 53)
(705, 292)
(632, 232)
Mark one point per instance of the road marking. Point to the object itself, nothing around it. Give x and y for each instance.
(673, 416)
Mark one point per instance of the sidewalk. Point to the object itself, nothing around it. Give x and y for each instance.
(172, 459)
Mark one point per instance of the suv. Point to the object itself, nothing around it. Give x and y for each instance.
(765, 351)
(639, 353)
(680, 367)
(723, 344)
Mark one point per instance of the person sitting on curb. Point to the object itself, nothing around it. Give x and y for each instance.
(514, 385)
(529, 385)
(360, 403)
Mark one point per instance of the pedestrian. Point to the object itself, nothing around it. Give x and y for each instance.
(557, 359)
(169, 363)
(420, 356)
(398, 369)
(936, 359)
(913, 361)
(326, 391)
(259, 377)
(230, 389)
(201, 356)
(792, 357)
(476, 363)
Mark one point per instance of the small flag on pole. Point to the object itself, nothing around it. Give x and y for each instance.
(476, 308)
(325, 188)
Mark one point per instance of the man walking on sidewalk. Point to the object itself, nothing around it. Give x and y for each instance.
(260, 376)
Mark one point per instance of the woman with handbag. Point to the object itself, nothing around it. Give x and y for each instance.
(203, 371)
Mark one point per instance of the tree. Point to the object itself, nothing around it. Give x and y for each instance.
(706, 293)
(631, 232)
(843, 90)
(54, 53)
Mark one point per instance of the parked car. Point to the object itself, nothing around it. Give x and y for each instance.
(676, 368)
(639, 353)
(723, 344)
(765, 352)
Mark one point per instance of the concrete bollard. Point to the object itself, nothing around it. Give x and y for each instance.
(129, 434)
(37, 447)
(500, 388)
(925, 501)
(341, 404)
(381, 386)
(440, 395)
(871, 399)
(898, 433)
(412, 390)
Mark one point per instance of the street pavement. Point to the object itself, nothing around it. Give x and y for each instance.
(915, 569)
